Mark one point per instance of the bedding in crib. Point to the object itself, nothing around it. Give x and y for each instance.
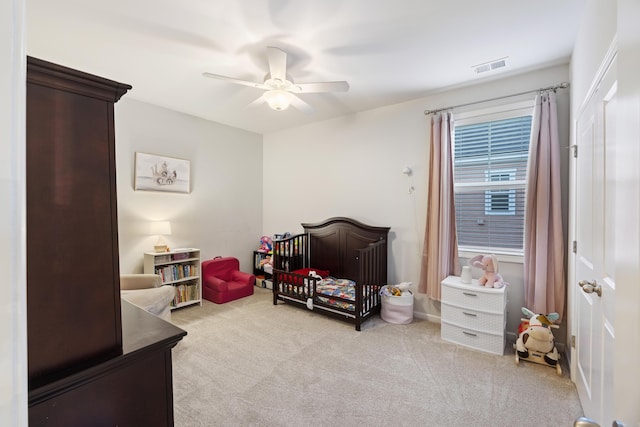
(330, 290)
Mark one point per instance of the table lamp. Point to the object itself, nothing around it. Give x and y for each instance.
(160, 229)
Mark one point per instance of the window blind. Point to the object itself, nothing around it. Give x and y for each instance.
(490, 170)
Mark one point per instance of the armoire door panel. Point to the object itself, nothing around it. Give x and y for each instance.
(73, 292)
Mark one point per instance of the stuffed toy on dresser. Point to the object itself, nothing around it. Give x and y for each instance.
(489, 264)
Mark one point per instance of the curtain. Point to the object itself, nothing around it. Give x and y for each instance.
(544, 280)
(440, 253)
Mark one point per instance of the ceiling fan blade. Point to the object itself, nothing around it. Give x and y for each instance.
(258, 102)
(301, 105)
(277, 63)
(234, 80)
(320, 87)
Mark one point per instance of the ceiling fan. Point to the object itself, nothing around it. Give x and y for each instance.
(280, 89)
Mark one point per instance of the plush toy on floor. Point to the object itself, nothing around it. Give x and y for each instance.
(535, 340)
(489, 263)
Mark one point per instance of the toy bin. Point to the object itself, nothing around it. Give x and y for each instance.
(397, 309)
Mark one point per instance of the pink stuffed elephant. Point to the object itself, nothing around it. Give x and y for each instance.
(491, 277)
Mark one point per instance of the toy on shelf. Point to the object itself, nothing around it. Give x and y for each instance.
(266, 244)
(266, 261)
(489, 264)
(535, 341)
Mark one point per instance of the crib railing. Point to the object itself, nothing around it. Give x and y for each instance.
(291, 253)
(373, 275)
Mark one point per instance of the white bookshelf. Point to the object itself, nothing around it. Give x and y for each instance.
(179, 268)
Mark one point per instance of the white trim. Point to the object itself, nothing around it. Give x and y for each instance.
(611, 54)
(512, 258)
(13, 311)
(425, 316)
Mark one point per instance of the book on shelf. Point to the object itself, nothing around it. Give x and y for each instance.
(186, 292)
(171, 273)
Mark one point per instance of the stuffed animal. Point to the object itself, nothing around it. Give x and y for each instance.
(536, 338)
(266, 244)
(489, 263)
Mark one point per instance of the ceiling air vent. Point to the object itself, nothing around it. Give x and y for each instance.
(491, 66)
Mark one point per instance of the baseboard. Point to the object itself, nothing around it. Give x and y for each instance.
(561, 348)
(426, 316)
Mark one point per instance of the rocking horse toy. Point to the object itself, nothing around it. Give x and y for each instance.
(535, 341)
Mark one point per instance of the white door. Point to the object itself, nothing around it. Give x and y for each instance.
(594, 286)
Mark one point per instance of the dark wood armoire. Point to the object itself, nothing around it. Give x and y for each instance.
(92, 359)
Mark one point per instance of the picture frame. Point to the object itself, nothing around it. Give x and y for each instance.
(161, 173)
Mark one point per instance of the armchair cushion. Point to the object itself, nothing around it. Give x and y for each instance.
(147, 292)
(140, 281)
(239, 276)
(216, 283)
(223, 281)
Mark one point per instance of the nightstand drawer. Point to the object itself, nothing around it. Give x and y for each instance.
(472, 338)
(478, 320)
(474, 298)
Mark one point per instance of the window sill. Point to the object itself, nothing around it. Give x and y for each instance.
(502, 257)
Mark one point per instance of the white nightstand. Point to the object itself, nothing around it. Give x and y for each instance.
(473, 315)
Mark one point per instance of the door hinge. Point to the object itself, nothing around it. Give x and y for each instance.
(573, 341)
(575, 150)
(575, 247)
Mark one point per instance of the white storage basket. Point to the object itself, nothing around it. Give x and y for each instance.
(397, 309)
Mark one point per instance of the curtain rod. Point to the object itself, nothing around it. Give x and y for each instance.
(562, 85)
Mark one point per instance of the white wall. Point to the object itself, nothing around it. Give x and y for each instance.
(352, 166)
(13, 313)
(596, 32)
(223, 213)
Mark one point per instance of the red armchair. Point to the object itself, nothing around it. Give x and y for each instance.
(222, 280)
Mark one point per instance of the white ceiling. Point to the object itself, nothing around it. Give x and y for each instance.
(389, 51)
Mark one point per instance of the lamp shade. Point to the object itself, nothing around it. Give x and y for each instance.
(160, 228)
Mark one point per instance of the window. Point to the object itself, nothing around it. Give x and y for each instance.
(500, 202)
(490, 155)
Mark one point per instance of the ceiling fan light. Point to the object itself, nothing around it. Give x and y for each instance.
(278, 99)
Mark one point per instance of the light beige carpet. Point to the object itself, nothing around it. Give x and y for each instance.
(250, 363)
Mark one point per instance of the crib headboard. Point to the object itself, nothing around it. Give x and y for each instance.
(334, 244)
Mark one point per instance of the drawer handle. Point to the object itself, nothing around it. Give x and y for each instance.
(469, 314)
(469, 294)
(469, 333)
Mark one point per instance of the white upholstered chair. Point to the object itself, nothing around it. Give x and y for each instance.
(147, 292)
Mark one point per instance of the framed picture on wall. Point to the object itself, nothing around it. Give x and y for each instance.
(161, 173)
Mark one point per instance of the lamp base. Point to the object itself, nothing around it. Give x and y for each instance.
(160, 248)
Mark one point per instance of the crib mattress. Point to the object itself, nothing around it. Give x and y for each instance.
(328, 290)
